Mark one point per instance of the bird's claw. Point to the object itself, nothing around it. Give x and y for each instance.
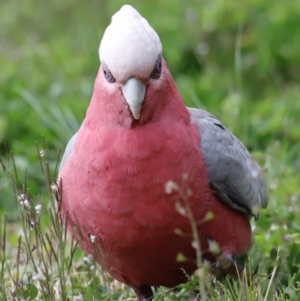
(224, 264)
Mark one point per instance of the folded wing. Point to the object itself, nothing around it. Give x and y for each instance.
(236, 178)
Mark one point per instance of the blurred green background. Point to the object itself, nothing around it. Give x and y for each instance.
(240, 60)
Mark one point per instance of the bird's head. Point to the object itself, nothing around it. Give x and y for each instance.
(132, 66)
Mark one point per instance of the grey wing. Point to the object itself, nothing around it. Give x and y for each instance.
(234, 175)
(68, 152)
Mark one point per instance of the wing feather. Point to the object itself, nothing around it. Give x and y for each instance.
(68, 152)
(234, 175)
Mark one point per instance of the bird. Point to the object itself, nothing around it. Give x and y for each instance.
(146, 180)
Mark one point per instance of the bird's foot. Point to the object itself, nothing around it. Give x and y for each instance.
(224, 264)
(143, 292)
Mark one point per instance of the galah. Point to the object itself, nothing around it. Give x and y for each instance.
(143, 168)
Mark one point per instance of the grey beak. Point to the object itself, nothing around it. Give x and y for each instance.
(134, 93)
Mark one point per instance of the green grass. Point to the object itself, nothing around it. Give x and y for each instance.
(240, 61)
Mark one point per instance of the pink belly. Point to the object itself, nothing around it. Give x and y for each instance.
(119, 197)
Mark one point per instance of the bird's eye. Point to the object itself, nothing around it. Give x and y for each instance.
(157, 69)
(107, 74)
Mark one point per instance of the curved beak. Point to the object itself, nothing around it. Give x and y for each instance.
(134, 93)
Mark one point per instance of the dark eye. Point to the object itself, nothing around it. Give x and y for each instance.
(157, 69)
(107, 74)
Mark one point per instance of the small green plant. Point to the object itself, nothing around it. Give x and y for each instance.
(42, 262)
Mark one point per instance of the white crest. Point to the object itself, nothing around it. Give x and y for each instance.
(130, 46)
